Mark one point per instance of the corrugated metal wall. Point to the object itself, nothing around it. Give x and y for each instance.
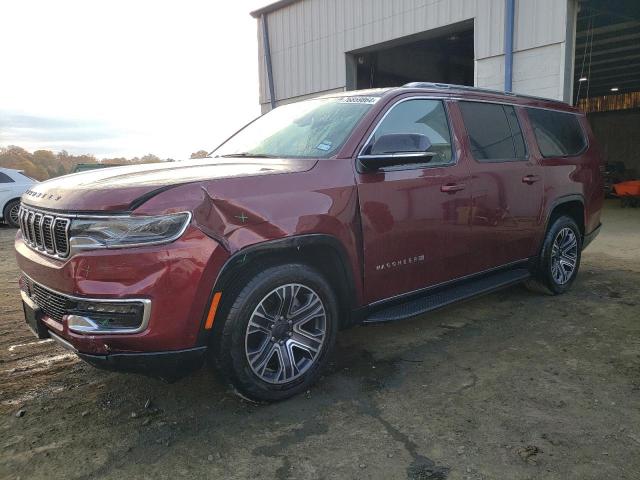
(309, 39)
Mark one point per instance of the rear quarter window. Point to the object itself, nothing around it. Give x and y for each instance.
(4, 178)
(558, 134)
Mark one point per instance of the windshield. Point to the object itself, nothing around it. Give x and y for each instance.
(313, 128)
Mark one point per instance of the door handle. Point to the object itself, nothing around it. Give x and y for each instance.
(530, 179)
(452, 187)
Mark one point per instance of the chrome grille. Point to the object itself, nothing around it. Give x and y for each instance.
(37, 229)
(52, 304)
(45, 233)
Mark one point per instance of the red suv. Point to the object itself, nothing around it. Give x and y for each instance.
(355, 208)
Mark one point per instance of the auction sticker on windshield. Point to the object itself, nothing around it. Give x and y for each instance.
(360, 99)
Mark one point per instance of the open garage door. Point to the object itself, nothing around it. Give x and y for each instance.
(607, 80)
(442, 55)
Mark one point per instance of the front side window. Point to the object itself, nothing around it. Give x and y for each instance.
(309, 129)
(419, 116)
(558, 133)
(494, 132)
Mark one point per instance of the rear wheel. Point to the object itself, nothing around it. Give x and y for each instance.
(559, 260)
(278, 333)
(11, 211)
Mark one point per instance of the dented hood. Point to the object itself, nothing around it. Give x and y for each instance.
(123, 188)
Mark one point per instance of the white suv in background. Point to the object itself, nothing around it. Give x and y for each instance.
(13, 183)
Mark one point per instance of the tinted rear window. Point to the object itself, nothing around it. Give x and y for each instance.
(558, 134)
(4, 178)
(494, 131)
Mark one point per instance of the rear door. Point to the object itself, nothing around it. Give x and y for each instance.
(507, 184)
(415, 218)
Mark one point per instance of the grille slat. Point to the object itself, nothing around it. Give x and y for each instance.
(37, 225)
(46, 233)
(32, 231)
(60, 234)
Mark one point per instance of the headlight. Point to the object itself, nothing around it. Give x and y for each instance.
(126, 231)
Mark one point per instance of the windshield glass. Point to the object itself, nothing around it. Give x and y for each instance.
(313, 128)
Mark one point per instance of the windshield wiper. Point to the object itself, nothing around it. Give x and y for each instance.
(246, 155)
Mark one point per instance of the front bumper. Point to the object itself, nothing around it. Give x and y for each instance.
(175, 278)
(168, 366)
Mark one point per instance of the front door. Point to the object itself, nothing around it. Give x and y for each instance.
(415, 218)
(507, 185)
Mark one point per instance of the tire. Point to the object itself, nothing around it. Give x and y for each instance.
(270, 357)
(559, 261)
(10, 212)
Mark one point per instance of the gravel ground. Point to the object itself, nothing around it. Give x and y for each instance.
(515, 385)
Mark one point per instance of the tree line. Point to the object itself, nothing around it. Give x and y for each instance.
(45, 164)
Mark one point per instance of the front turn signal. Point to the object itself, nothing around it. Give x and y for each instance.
(215, 301)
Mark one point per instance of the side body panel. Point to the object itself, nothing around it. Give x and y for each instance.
(320, 201)
(414, 234)
(507, 213)
(574, 178)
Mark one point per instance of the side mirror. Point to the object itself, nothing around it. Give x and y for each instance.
(397, 149)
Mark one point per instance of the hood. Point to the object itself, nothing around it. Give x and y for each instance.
(120, 188)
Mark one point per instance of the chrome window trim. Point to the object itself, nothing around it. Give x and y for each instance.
(146, 309)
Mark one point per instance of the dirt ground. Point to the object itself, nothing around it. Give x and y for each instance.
(514, 385)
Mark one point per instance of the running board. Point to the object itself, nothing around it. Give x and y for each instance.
(443, 296)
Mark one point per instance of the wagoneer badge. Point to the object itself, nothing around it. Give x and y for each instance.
(400, 263)
(31, 193)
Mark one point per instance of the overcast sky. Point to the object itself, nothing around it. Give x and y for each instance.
(127, 78)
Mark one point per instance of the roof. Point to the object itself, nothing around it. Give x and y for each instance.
(272, 7)
(466, 88)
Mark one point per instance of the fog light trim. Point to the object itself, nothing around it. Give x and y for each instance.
(80, 321)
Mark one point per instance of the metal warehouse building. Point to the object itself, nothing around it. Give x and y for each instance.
(579, 51)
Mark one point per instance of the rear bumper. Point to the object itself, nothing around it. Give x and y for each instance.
(590, 237)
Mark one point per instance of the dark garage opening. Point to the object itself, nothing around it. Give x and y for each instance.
(607, 81)
(444, 55)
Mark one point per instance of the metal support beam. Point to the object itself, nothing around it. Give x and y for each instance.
(617, 28)
(267, 58)
(509, 20)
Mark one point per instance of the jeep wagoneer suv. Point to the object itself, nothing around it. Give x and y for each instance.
(355, 208)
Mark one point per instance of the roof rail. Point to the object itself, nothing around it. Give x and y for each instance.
(449, 86)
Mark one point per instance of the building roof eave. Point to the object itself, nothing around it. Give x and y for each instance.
(272, 7)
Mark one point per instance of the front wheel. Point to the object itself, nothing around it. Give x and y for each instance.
(278, 333)
(11, 213)
(559, 260)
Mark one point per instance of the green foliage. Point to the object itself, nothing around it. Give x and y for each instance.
(44, 164)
